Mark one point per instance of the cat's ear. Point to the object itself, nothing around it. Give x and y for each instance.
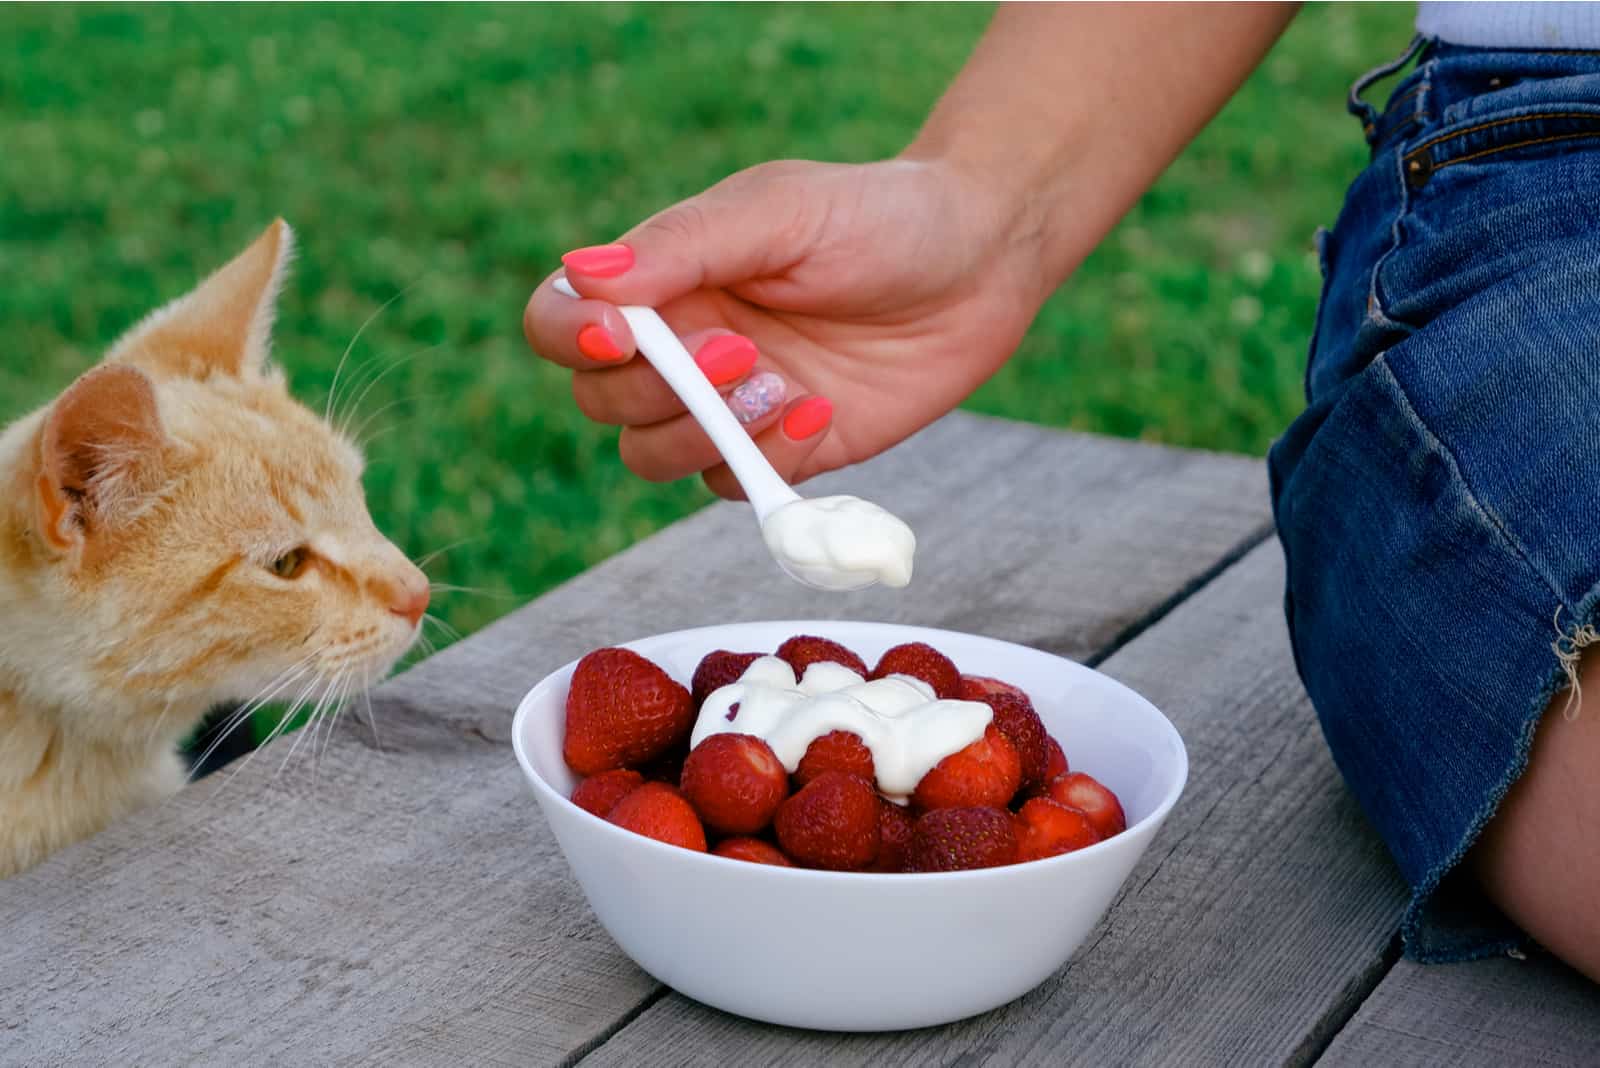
(225, 325)
(97, 453)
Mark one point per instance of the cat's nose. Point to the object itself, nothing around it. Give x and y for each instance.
(410, 600)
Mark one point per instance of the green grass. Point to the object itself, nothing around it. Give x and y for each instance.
(450, 154)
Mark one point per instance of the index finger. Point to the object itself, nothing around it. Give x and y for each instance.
(580, 334)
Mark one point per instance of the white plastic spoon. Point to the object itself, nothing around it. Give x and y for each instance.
(828, 543)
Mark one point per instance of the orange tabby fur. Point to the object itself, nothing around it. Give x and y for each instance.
(141, 517)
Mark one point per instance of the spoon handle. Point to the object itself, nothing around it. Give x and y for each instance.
(766, 491)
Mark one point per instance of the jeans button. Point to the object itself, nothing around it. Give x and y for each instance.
(1419, 168)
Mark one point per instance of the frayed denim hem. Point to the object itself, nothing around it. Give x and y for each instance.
(1424, 937)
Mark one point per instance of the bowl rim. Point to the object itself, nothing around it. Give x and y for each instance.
(548, 793)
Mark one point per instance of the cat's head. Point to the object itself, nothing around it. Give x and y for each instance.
(181, 530)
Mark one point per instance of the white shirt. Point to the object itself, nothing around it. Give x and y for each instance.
(1512, 25)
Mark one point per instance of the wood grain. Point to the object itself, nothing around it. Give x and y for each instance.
(1260, 917)
(1487, 1013)
(401, 901)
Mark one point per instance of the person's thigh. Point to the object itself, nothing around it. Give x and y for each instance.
(1539, 858)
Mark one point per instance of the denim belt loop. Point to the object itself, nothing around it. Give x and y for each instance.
(1365, 111)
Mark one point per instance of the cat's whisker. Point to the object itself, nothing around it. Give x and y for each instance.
(372, 719)
(338, 707)
(449, 631)
(310, 725)
(344, 421)
(283, 721)
(285, 678)
(333, 388)
(367, 421)
(424, 561)
(476, 591)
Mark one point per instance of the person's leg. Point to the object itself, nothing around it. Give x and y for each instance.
(1539, 858)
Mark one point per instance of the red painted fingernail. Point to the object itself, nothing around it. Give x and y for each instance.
(807, 417)
(599, 261)
(595, 342)
(725, 358)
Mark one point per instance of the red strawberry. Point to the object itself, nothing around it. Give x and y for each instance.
(803, 650)
(976, 687)
(622, 711)
(600, 793)
(735, 783)
(985, 773)
(1052, 828)
(836, 751)
(922, 661)
(1084, 792)
(894, 835)
(1056, 765)
(956, 839)
(754, 850)
(1016, 719)
(831, 823)
(718, 669)
(657, 811)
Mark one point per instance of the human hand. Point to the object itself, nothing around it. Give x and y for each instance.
(879, 295)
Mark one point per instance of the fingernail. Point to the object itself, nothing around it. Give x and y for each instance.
(595, 342)
(599, 261)
(807, 417)
(725, 358)
(759, 395)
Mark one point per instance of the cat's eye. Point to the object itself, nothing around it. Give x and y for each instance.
(290, 564)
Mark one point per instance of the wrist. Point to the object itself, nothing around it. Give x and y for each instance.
(1016, 196)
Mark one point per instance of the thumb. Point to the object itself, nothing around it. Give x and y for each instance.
(755, 224)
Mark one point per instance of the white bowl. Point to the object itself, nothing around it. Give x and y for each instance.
(846, 951)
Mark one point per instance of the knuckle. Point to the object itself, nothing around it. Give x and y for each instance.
(681, 222)
(589, 397)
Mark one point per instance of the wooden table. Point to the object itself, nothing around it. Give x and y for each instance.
(402, 902)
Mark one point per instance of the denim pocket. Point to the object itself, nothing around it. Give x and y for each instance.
(1501, 138)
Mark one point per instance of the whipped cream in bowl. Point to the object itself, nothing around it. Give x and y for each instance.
(905, 727)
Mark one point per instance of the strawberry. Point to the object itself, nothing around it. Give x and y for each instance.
(1015, 718)
(622, 711)
(1050, 828)
(832, 823)
(657, 811)
(718, 669)
(735, 783)
(1056, 765)
(894, 835)
(600, 793)
(754, 850)
(803, 650)
(1084, 792)
(976, 687)
(985, 773)
(956, 839)
(836, 751)
(924, 662)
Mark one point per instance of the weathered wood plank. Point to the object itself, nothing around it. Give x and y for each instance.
(405, 902)
(1489, 1013)
(1261, 916)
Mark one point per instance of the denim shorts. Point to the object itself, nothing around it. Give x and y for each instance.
(1439, 499)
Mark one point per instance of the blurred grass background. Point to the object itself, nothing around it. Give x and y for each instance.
(449, 154)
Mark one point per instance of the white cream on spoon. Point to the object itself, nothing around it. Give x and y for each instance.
(905, 727)
(828, 543)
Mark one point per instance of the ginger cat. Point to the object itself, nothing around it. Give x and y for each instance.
(175, 530)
